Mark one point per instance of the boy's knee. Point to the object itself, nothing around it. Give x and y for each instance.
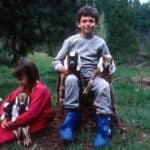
(106, 84)
(103, 84)
(71, 78)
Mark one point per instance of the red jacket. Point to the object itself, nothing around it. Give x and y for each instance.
(39, 112)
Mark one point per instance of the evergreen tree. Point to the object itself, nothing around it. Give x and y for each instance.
(120, 23)
(26, 23)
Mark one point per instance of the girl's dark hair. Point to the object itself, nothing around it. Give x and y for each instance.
(87, 11)
(27, 68)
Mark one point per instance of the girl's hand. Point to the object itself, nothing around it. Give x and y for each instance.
(5, 123)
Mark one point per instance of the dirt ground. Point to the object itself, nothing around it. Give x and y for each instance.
(47, 139)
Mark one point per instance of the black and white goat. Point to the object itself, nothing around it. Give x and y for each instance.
(72, 63)
(12, 110)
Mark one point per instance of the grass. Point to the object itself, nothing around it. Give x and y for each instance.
(133, 105)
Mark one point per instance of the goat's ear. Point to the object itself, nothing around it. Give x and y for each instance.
(6, 104)
(28, 100)
(113, 67)
(27, 103)
(79, 63)
(2, 117)
(66, 62)
(100, 64)
(16, 101)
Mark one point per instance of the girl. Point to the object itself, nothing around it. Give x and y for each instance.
(40, 107)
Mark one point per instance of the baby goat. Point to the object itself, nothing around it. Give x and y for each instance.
(12, 110)
(105, 67)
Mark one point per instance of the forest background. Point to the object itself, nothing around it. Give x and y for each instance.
(31, 26)
(42, 25)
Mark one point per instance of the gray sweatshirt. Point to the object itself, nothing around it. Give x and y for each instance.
(89, 50)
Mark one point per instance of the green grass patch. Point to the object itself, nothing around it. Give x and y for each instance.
(133, 105)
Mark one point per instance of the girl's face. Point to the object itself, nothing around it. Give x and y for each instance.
(87, 25)
(23, 82)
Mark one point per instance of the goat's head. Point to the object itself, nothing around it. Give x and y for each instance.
(22, 101)
(7, 110)
(72, 61)
(106, 64)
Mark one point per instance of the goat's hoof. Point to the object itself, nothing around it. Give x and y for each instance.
(27, 142)
(19, 142)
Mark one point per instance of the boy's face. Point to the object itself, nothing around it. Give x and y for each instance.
(87, 25)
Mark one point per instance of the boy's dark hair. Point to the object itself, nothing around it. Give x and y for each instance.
(87, 11)
(27, 68)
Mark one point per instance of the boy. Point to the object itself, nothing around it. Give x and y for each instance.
(90, 48)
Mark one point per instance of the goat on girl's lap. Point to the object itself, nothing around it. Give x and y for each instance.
(12, 110)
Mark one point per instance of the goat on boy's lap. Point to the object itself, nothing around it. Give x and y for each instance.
(12, 110)
(105, 69)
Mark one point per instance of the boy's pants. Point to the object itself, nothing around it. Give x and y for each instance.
(101, 91)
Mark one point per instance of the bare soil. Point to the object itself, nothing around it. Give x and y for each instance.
(143, 82)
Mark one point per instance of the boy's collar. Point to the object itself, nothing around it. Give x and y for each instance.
(87, 36)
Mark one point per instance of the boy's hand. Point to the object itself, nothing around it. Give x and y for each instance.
(64, 71)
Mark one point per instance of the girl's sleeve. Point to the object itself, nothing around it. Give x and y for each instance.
(38, 100)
